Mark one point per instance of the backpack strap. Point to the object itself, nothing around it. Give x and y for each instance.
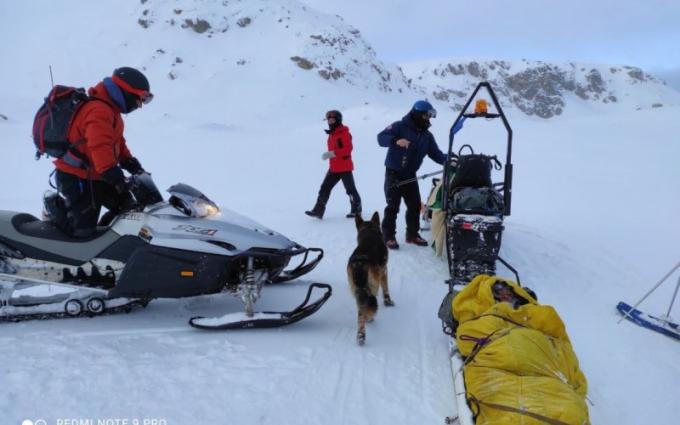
(73, 156)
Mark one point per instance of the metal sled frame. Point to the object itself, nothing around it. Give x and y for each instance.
(507, 182)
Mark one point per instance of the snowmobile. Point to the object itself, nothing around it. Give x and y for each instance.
(183, 247)
(474, 205)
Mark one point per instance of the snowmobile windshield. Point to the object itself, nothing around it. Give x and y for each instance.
(145, 190)
(191, 201)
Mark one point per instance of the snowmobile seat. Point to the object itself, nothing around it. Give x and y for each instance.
(28, 225)
(42, 240)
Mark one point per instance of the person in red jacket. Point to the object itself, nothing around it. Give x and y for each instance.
(91, 175)
(340, 167)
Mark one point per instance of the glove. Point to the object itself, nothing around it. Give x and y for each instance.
(327, 155)
(132, 165)
(114, 176)
(126, 202)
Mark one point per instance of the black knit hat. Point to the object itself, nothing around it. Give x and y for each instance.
(335, 114)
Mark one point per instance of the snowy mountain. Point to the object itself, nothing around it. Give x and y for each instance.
(595, 219)
(311, 41)
(543, 89)
(281, 47)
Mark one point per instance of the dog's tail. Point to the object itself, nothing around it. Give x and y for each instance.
(366, 301)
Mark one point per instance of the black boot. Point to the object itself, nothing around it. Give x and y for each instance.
(54, 209)
(355, 211)
(317, 211)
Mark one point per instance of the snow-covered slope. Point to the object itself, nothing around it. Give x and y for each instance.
(594, 221)
(205, 51)
(544, 89)
(313, 41)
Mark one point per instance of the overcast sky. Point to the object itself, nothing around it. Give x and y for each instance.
(644, 33)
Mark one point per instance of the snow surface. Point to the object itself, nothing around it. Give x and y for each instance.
(595, 221)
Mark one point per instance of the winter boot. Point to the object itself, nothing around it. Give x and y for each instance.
(392, 244)
(54, 209)
(317, 211)
(354, 212)
(416, 240)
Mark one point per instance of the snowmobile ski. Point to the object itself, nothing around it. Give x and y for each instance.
(268, 319)
(654, 323)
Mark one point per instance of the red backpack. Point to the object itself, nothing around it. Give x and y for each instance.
(53, 121)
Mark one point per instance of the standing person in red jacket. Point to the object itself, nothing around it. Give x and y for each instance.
(340, 167)
(91, 174)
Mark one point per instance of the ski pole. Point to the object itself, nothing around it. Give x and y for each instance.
(650, 291)
(675, 294)
(424, 176)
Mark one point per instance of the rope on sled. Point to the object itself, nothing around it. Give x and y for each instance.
(473, 400)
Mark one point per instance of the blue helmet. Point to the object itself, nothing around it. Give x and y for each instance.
(423, 106)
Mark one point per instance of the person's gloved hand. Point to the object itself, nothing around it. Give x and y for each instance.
(327, 155)
(132, 166)
(126, 201)
(115, 177)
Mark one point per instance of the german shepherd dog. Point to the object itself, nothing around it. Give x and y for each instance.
(367, 271)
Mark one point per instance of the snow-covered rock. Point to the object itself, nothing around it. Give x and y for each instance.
(544, 89)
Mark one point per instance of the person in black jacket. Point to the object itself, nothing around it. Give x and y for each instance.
(408, 141)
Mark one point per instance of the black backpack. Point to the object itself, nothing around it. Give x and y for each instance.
(473, 170)
(477, 200)
(53, 121)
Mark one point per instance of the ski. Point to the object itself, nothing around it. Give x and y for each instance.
(464, 416)
(648, 321)
(268, 319)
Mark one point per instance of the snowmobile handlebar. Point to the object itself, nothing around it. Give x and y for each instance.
(482, 115)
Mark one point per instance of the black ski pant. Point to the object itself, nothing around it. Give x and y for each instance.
(410, 192)
(329, 183)
(83, 200)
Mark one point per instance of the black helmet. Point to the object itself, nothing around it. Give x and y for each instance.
(134, 85)
(335, 114)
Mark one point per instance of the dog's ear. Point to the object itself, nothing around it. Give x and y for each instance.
(358, 221)
(375, 219)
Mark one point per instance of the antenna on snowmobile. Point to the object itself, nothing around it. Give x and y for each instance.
(51, 79)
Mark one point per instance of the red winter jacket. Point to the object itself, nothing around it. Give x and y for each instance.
(340, 142)
(99, 126)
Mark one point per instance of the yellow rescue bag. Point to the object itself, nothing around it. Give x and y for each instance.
(520, 367)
